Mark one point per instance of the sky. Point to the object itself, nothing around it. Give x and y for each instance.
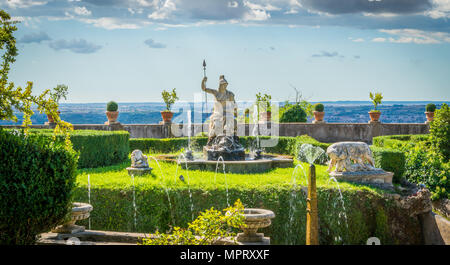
(131, 50)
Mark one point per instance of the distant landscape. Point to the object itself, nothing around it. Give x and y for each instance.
(149, 113)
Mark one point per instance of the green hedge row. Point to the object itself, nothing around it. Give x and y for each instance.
(390, 160)
(36, 179)
(113, 211)
(96, 148)
(399, 141)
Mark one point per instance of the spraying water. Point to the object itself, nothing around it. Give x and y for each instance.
(293, 201)
(341, 199)
(310, 152)
(189, 185)
(165, 187)
(255, 131)
(225, 175)
(134, 202)
(189, 128)
(89, 198)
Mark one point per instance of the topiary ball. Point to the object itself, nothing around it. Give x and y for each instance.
(319, 107)
(430, 107)
(112, 106)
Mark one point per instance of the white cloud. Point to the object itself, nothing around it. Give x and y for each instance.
(357, 40)
(82, 11)
(233, 4)
(416, 36)
(113, 23)
(24, 3)
(163, 10)
(256, 12)
(441, 9)
(379, 39)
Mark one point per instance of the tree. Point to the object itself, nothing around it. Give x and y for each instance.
(18, 98)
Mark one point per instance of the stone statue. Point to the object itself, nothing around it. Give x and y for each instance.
(138, 159)
(350, 157)
(222, 138)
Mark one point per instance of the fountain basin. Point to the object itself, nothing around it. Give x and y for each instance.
(80, 211)
(249, 165)
(255, 219)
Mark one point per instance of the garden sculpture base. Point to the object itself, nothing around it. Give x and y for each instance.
(373, 176)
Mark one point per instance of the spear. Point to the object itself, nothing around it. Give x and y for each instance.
(206, 95)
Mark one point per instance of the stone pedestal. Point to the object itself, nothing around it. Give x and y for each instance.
(374, 122)
(372, 176)
(318, 122)
(134, 171)
(234, 155)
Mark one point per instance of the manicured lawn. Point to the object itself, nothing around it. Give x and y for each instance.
(167, 175)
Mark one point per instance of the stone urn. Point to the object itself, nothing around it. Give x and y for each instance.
(254, 219)
(374, 116)
(318, 116)
(167, 116)
(80, 211)
(265, 116)
(112, 117)
(430, 116)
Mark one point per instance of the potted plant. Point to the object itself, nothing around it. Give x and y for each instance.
(111, 112)
(60, 91)
(169, 98)
(264, 108)
(376, 100)
(318, 113)
(430, 108)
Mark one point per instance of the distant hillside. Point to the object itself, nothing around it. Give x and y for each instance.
(148, 113)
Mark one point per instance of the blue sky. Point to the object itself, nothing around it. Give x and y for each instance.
(130, 50)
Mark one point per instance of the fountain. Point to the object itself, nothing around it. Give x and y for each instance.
(80, 211)
(224, 142)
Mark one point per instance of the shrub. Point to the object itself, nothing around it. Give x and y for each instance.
(96, 148)
(210, 227)
(440, 131)
(263, 102)
(112, 106)
(376, 100)
(292, 113)
(319, 107)
(37, 178)
(169, 98)
(430, 107)
(428, 167)
(390, 160)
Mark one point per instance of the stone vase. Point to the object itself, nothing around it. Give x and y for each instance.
(255, 219)
(318, 116)
(80, 211)
(265, 116)
(167, 116)
(112, 116)
(374, 116)
(430, 116)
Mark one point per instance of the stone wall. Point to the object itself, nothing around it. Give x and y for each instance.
(327, 132)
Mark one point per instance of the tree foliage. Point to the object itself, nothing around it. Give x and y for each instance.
(20, 99)
(169, 98)
(292, 113)
(376, 99)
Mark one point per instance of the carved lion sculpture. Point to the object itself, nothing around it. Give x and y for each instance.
(342, 155)
(138, 160)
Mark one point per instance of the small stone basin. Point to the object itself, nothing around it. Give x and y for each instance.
(254, 219)
(80, 211)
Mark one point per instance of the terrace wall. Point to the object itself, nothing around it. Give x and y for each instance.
(327, 132)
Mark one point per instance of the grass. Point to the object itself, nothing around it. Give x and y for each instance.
(167, 175)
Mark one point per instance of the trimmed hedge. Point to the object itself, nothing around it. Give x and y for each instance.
(283, 145)
(96, 148)
(399, 141)
(36, 179)
(390, 160)
(113, 211)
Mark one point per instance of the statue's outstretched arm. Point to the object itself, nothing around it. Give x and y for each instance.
(207, 90)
